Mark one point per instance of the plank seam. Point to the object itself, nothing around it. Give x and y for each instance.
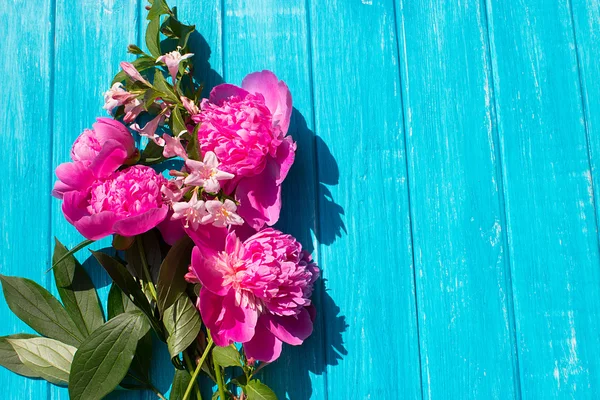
(317, 219)
(223, 40)
(584, 110)
(51, 71)
(408, 180)
(502, 198)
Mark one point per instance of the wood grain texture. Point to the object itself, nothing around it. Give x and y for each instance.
(270, 34)
(456, 202)
(553, 238)
(26, 129)
(368, 267)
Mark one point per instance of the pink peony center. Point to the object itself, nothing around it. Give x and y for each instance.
(240, 132)
(127, 193)
(269, 272)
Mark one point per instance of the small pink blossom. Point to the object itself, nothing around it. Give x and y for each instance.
(206, 173)
(256, 292)
(127, 202)
(173, 146)
(174, 190)
(133, 109)
(133, 73)
(246, 128)
(222, 214)
(172, 61)
(192, 211)
(116, 96)
(149, 130)
(190, 106)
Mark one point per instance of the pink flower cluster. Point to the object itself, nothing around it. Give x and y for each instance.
(256, 291)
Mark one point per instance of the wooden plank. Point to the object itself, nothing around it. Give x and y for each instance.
(25, 128)
(553, 238)
(467, 345)
(91, 40)
(273, 35)
(369, 269)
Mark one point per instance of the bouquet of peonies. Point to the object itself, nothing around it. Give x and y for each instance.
(195, 262)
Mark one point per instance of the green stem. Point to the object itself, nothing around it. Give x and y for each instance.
(159, 394)
(148, 277)
(188, 391)
(190, 367)
(220, 382)
(69, 253)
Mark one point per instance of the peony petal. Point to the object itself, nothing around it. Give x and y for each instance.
(293, 329)
(60, 189)
(224, 91)
(276, 93)
(96, 226)
(286, 153)
(260, 198)
(132, 226)
(107, 129)
(75, 174)
(264, 346)
(74, 206)
(171, 230)
(239, 323)
(208, 275)
(110, 158)
(211, 307)
(208, 238)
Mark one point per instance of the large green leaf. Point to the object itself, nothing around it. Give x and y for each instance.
(77, 291)
(256, 390)
(227, 356)
(9, 358)
(178, 125)
(48, 358)
(162, 86)
(103, 360)
(159, 7)
(118, 302)
(182, 323)
(181, 380)
(171, 282)
(35, 306)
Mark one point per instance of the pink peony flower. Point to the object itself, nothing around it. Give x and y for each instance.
(246, 128)
(96, 154)
(127, 202)
(256, 292)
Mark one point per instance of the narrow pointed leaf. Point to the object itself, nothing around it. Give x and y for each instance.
(118, 302)
(171, 282)
(182, 323)
(35, 306)
(9, 358)
(77, 292)
(153, 37)
(49, 359)
(103, 360)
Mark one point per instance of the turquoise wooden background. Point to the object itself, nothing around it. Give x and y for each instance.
(446, 180)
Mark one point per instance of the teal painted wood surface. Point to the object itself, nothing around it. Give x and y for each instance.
(446, 180)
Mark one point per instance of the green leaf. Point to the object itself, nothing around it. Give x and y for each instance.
(182, 323)
(118, 302)
(227, 356)
(71, 252)
(35, 306)
(177, 123)
(181, 31)
(159, 7)
(163, 87)
(181, 381)
(133, 49)
(9, 358)
(77, 292)
(152, 154)
(103, 360)
(256, 390)
(171, 282)
(141, 64)
(153, 37)
(140, 366)
(48, 358)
